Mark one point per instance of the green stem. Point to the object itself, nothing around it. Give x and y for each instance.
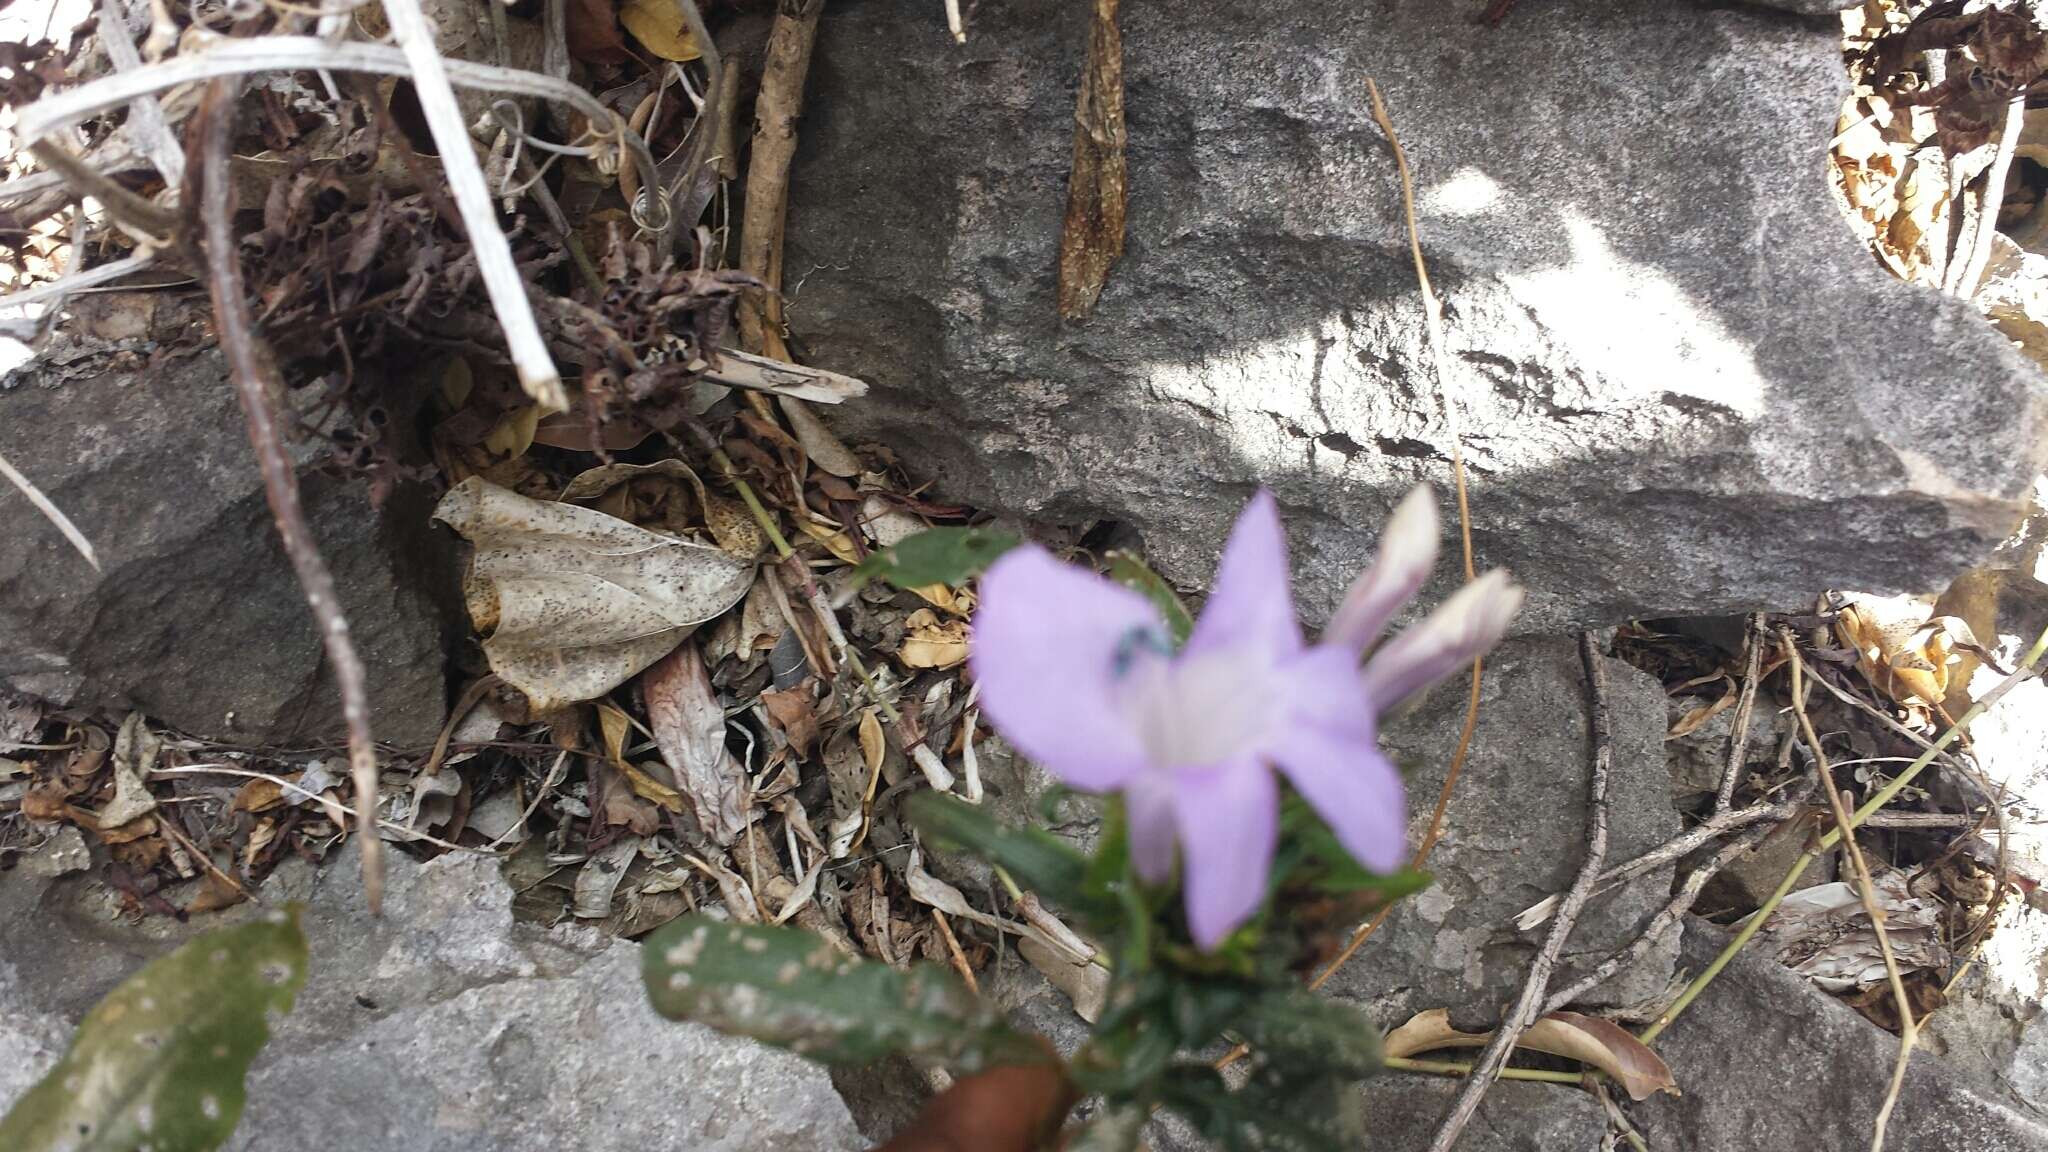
(1448, 1068)
(1742, 937)
(732, 475)
(1884, 796)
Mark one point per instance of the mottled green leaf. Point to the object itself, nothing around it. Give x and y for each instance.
(1039, 861)
(160, 1063)
(1297, 1028)
(936, 556)
(1270, 1112)
(1128, 570)
(787, 987)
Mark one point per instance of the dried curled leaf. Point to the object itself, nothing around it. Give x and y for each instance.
(1591, 1040)
(659, 26)
(160, 1063)
(572, 602)
(787, 987)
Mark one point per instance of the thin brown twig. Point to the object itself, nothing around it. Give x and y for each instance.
(776, 110)
(1528, 1006)
(1909, 1029)
(1432, 312)
(251, 367)
(1738, 740)
(1681, 903)
(953, 950)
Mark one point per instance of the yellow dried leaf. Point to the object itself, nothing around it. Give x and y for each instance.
(871, 740)
(660, 28)
(514, 432)
(927, 643)
(835, 542)
(648, 788)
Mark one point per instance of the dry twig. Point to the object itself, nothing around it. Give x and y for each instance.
(502, 283)
(1965, 273)
(1432, 313)
(1738, 741)
(775, 115)
(1909, 1029)
(251, 367)
(1529, 1006)
(2026, 670)
(51, 512)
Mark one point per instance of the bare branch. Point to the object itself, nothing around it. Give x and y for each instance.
(1529, 1006)
(250, 365)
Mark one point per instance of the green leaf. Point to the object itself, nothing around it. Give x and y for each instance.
(160, 1063)
(1128, 570)
(936, 556)
(1038, 860)
(1270, 1112)
(787, 987)
(1299, 1029)
(1310, 854)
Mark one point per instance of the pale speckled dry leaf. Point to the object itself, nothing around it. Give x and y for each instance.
(688, 724)
(825, 449)
(886, 524)
(1591, 1040)
(599, 878)
(929, 643)
(1824, 934)
(1085, 983)
(571, 602)
(135, 752)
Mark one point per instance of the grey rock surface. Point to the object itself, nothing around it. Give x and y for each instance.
(1403, 1112)
(440, 1027)
(1810, 1075)
(196, 617)
(1685, 388)
(1516, 833)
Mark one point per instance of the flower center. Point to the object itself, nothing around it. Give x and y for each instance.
(1197, 710)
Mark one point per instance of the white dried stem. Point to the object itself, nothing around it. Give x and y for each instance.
(151, 133)
(502, 283)
(51, 512)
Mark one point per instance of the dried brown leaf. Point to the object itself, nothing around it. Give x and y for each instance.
(1590, 1040)
(1092, 237)
(688, 722)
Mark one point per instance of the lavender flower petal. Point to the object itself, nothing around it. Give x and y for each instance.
(1462, 627)
(1049, 644)
(1148, 805)
(1408, 547)
(1250, 607)
(1229, 818)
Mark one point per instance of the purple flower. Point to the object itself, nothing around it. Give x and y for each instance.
(1080, 675)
